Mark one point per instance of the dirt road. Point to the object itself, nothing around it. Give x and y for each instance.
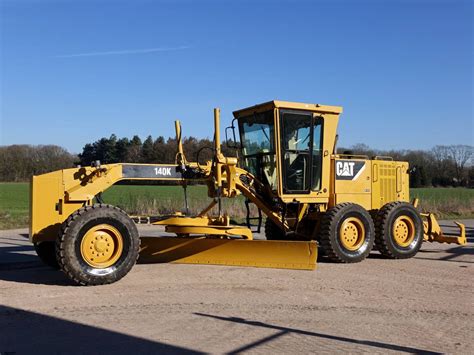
(424, 304)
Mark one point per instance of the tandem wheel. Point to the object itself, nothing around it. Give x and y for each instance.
(399, 230)
(347, 233)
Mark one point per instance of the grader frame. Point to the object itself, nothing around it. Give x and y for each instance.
(292, 173)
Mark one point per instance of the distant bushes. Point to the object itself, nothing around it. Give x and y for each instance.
(441, 166)
(20, 162)
(124, 150)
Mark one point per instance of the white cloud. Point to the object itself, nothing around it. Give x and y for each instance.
(123, 52)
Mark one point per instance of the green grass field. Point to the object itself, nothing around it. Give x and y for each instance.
(143, 200)
(14, 200)
(446, 202)
(149, 200)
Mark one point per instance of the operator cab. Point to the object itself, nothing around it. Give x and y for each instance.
(295, 132)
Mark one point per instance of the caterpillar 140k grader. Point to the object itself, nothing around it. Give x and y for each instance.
(288, 166)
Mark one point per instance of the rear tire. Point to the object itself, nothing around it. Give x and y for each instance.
(47, 253)
(399, 230)
(272, 231)
(98, 245)
(347, 233)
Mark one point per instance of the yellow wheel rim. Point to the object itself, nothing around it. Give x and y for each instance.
(403, 231)
(352, 233)
(102, 246)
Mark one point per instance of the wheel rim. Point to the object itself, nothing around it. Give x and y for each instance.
(102, 246)
(352, 233)
(403, 231)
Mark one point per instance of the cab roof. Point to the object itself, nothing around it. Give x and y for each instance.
(287, 105)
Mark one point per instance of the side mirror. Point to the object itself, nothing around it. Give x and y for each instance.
(230, 139)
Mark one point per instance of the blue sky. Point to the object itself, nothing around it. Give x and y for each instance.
(75, 71)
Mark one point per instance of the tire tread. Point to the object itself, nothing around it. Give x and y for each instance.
(381, 220)
(60, 255)
(326, 242)
(272, 232)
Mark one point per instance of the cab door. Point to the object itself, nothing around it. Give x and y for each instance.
(301, 147)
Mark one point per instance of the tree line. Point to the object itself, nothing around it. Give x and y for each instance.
(20, 162)
(443, 165)
(451, 165)
(159, 150)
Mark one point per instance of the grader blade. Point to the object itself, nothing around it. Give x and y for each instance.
(434, 233)
(233, 252)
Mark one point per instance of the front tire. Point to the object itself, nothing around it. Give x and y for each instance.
(272, 231)
(98, 245)
(399, 230)
(347, 233)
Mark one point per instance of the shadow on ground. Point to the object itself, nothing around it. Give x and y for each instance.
(281, 331)
(34, 333)
(453, 254)
(19, 263)
(47, 334)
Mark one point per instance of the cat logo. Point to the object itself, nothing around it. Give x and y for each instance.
(349, 170)
(344, 168)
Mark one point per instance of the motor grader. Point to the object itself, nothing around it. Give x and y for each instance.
(288, 166)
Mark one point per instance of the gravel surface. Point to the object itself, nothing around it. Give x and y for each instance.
(424, 304)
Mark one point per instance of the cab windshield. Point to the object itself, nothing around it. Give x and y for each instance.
(257, 134)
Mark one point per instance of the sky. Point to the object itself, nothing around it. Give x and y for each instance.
(75, 71)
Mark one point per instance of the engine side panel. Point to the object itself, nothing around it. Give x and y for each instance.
(370, 183)
(352, 181)
(390, 182)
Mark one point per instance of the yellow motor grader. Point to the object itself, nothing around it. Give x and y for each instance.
(288, 166)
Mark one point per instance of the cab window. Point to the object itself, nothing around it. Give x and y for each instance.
(257, 134)
(301, 151)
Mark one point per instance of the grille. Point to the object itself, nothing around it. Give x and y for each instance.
(388, 182)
